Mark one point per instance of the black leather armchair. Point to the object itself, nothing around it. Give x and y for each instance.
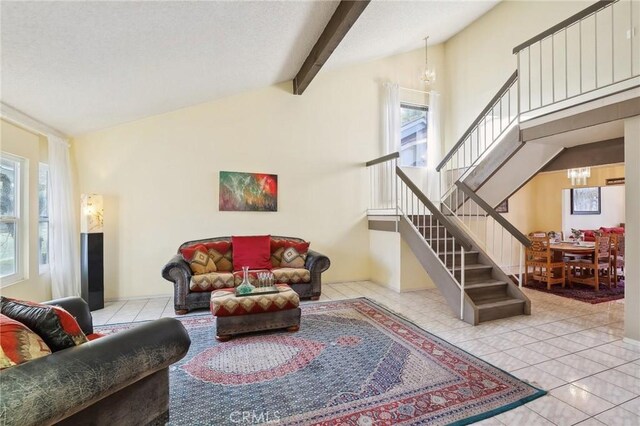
(119, 379)
(179, 273)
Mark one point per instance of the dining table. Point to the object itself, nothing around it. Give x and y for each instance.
(559, 249)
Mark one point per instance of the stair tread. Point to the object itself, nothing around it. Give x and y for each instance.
(473, 266)
(502, 301)
(484, 284)
(458, 252)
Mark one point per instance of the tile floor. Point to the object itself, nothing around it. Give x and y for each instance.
(572, 349)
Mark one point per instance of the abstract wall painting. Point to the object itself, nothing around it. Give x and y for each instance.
(248, 192)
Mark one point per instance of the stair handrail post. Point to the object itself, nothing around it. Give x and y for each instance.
(519, 89)
(520, 266)
(395, 197)
(462, 274)
(379, 169)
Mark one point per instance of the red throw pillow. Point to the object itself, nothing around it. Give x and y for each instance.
(18, 343)
(589, 234)
(57, 327)
(614, 230)
(253, 252)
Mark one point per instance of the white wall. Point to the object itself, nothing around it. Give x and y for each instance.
(159, 176)
(386, 265)
(412, 275)
(393, 264)
(632, 230)
(612, 211)
(479, 59)
(17, 141)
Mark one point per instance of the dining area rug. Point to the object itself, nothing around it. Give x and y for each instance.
(581, 292)
(352, 362)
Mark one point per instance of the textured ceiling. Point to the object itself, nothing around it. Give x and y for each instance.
(83, 66)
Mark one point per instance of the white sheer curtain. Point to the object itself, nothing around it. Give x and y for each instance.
(391, 118)
(63, 226)
(434, 147)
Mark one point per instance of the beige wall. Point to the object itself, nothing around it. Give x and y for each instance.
(159, 176)
(20, 142)
(479, 59)
(412, 275)
(537, 206)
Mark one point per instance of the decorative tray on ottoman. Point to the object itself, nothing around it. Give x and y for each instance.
(260, 290)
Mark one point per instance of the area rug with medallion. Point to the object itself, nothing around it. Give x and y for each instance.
(352, 363)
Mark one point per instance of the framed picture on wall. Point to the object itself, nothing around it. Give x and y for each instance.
(503, 207)
(586, 200)
(248, 192)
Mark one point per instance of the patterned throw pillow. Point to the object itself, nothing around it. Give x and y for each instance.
(221, 254)
(18, 343)
(278, 247)
(201, 263)
(57, 327)
(291, 258)
(276, 256)
(199, 260)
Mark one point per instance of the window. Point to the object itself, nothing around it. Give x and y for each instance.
(413, 135)
(11, 191)
(43, 216)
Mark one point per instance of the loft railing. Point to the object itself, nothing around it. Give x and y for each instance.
(393, 191)
(590, 54)
(382, 181)
(592, 50)
(489, 229)
(499, 114)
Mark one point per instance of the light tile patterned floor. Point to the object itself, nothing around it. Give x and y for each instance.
(572, 349)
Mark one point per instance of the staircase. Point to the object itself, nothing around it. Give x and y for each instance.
(472, 253)
(470, 281)
(487, 289)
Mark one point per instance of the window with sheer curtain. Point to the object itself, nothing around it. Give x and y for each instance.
(12, 171)
(43, 217)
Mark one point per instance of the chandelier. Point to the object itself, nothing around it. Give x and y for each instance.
(429, 75)
(579, 176)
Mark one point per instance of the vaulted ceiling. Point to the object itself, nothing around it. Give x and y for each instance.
(83, 66)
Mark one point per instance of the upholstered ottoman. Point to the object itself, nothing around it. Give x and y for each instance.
(245, 314)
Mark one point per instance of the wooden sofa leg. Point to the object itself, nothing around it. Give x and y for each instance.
(223, 338)
(181, 311)
(293, 328)
(315, 298)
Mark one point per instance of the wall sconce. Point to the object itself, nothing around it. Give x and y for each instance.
(579, 176)
(92, 251)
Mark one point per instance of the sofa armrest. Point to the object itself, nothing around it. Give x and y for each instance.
(77, 307)
(317, 262)
(48, 389)
(177, 271)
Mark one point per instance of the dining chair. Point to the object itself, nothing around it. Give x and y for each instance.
(545, 268)
(596, 268)
(617, 256)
